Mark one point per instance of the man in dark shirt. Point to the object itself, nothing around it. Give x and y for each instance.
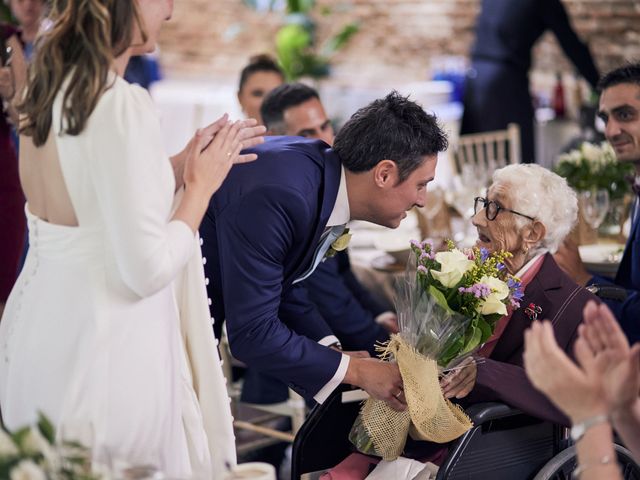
(497, 85)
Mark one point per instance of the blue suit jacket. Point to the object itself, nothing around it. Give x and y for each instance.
(348, 308)
(628, 276)
(259, 235)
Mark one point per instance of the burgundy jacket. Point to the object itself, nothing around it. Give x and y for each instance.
(501, 377)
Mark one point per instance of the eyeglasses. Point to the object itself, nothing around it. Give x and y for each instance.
(492, 209)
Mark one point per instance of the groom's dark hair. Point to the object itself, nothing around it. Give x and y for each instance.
(391, 128)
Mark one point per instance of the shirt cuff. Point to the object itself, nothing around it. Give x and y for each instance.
(336, 380)
(384, 317)
(330, 340)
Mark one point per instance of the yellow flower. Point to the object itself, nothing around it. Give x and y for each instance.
(341, 242)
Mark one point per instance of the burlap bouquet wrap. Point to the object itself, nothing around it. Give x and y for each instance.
(429, 415)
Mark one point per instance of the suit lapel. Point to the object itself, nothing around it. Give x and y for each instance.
(512, 339)
(328, 195)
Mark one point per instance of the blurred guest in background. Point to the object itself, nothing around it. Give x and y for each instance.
(30, 15)
(12, 219)
(261, 75)
(497, 87)
(620, 111)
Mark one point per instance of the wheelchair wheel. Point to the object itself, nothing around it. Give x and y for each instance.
(563, 464)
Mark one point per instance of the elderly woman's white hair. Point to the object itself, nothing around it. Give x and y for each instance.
(540, 193)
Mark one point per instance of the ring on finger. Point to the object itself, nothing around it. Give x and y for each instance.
(397, 395)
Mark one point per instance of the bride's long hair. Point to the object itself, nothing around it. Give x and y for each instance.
(82, 43)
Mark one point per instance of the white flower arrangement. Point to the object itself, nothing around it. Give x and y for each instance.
(31, 453)
(594, 166)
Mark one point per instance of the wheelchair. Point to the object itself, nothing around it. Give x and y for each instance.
(503, 444)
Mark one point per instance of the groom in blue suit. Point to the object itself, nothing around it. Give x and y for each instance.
(620, 111)
(273, 221)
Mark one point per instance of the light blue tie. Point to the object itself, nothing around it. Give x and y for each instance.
(329, 236)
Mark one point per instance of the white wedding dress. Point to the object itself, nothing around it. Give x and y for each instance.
(107, 330)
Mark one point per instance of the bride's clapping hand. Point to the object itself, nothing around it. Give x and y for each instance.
(210, 157)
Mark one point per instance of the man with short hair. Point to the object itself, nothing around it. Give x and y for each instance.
(351, 312)
(295, 109)
(273, 221)
(620, 111)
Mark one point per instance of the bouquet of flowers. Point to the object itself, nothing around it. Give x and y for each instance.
(448, 305)
(32, 453)
(595, 167)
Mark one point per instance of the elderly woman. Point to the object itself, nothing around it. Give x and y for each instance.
(527, 211)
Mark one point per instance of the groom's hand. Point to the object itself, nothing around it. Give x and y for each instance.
(379, 379)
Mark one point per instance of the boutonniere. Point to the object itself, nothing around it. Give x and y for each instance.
(533, 311)
(339, 244)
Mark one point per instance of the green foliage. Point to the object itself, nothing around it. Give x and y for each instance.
(296, 43)
(5, 14)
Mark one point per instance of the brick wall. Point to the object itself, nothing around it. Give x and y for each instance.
(396, 42)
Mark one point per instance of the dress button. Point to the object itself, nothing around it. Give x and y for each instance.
(209, 300)
(201, 241)
(204, 260)
(206, 281)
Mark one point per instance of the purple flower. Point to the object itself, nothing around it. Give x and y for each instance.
(427, 256)
(513, 284)
(479, 290)
(500, 266)
(514, 303)
(417, 244)
(484, 254)
(422, 269)
(427, 245)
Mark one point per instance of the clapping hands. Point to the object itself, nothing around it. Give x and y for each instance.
(214, 149)
(606, 378)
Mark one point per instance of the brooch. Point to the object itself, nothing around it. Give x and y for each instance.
(533, 311)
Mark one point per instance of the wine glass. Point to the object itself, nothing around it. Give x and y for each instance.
(594, 205)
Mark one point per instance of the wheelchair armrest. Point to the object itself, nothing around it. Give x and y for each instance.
(487, 411)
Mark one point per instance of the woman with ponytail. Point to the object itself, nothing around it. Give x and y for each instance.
(107, 330)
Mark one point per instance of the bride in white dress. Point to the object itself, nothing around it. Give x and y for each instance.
(107, 330)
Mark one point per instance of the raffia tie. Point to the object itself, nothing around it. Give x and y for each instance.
(429, 415)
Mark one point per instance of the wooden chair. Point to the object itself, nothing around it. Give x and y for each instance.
(294, 407)
(487, 150)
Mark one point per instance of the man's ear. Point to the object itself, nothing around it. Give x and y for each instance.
(385, 173)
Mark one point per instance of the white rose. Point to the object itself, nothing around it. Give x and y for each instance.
(34, 442)
(453, 265)
(575, 156)
(27, 470)
(7, 447)
(497, 286)
(591, 152)
(492, 304)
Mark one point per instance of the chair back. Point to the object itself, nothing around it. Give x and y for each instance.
(487, 150)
